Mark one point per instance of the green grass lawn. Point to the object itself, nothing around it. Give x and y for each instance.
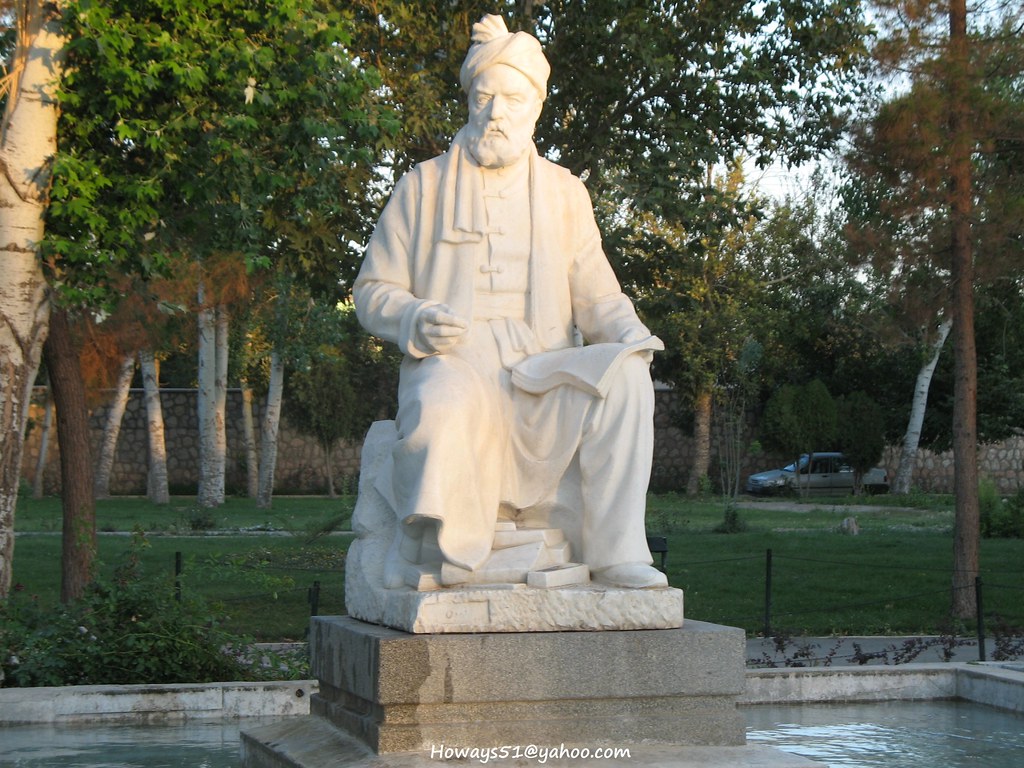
(294, 514)
(893, 578)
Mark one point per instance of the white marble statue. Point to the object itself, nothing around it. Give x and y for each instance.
(486, 269)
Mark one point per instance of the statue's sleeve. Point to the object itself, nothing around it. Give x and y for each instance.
(601, 311)
(383, 291)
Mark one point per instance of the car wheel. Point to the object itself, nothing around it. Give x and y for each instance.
(874, 490)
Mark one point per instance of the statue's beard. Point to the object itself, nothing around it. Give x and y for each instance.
(497, 149)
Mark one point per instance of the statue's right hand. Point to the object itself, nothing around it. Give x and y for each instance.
(439, 329)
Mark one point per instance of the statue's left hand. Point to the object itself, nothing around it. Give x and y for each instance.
(632, 336)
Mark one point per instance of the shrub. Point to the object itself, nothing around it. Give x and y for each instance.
(1000, 519)
(128, 631)
(731, 521)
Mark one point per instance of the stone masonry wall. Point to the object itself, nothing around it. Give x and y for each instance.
(300, 461)
(1002, 462)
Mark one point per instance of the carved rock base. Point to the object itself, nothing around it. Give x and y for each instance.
(550, 601)
(520, 608)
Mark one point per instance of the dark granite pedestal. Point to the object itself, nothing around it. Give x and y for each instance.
(389, 698)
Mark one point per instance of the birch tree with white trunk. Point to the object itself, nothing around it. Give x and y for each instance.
(156, 480)
(28, 138)
(912, 437)
(112, 428)
(252, 457)
(39, 477)
(211, 401)
(269, 431)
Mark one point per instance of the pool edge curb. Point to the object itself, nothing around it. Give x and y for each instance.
(988, 683)
(169, 703)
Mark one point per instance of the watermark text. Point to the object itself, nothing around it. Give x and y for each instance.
(538, 754)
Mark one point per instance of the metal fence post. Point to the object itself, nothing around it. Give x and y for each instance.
(314, 599)
(177, 576)
(980, 617)
(768, 594)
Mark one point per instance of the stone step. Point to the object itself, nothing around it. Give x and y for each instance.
(505, 538)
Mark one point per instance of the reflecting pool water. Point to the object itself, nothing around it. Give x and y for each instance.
(902, 734)
(188, 745)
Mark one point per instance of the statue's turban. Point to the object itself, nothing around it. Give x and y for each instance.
(494, 44)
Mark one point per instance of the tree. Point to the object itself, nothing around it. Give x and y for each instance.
(44, 447)
(912, 437)
(211, 399)
(228, 134)
(800, 419)
(78, 530)
(643, 99)
(622, 112)
(860, 434)
(418, 50)
(930, 142)
(112, 428)
(27, 141)
(343, 385)
(156, 479)
(699, 303)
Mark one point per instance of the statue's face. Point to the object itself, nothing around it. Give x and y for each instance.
(503, 110)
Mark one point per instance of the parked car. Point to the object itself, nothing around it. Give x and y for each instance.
(820, 474)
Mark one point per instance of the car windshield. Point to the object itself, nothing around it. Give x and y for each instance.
(792, 467)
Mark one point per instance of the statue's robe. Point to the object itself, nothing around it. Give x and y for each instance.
(470, 442)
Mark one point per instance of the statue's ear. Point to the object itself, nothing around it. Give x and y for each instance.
(538, 108)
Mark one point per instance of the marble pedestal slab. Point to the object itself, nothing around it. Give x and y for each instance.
(521, 608)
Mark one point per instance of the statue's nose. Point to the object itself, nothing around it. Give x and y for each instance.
(498, 107)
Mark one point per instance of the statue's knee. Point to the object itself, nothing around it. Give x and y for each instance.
(633, 382)
(439, 410)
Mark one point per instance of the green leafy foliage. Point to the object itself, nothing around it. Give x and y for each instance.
(731, 521)
(1000, 518)
(205, 128)
(128, 630)
(899, 199)
(860, 433)
(418, 49)
(342, 384)
(800, 419)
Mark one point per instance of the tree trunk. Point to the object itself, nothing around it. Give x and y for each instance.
(78, 539)
(731, 444)
(28, 140)
(156, 479)
(268, 436)
(112, 429)
(912, 437)
(220, 401)
(966, 527)
(329, 469)
(211, 466)
(701, 441)
(38, 479)
(252, 459)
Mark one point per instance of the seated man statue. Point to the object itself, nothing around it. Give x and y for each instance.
(486, 269)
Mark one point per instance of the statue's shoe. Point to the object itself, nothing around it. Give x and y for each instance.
(631, 576)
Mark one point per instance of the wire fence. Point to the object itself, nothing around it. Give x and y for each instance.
(285, 594)
(776, 567)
